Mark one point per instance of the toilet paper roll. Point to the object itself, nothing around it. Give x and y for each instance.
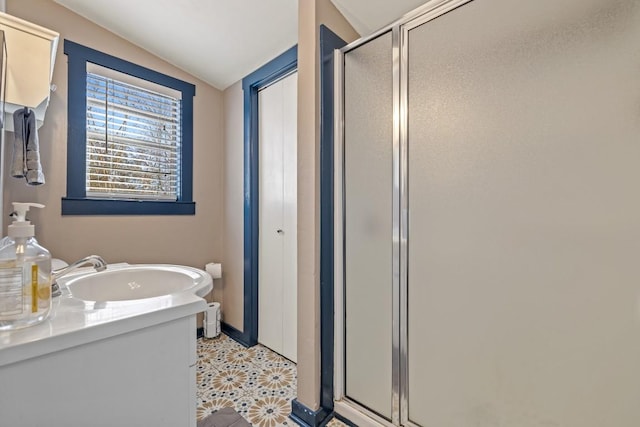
(214, 269)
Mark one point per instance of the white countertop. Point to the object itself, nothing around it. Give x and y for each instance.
(74, 322)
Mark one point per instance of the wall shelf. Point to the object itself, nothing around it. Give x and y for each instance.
(31, 54)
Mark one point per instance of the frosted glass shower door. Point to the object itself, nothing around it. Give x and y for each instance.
(524, 215)
(368, 193)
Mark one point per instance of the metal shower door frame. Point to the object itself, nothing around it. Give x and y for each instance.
(400, 240)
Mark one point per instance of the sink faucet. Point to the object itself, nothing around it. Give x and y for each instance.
(94, 260)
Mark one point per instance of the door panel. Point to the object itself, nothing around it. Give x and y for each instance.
(270, 256)
(524, 229)
(290, 216)
(368, 224)
(277, 257)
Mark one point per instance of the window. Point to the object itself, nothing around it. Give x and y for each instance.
(129, 148)
(133, 141)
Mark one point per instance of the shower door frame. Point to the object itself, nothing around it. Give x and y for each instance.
(400, 390)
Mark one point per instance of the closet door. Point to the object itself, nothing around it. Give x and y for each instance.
(524, 215)
(277, 242)
(368, 254)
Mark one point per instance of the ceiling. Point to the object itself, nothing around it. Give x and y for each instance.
(367, 16)
(218, 41)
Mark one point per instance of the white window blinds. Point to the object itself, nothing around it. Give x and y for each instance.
(133, 141)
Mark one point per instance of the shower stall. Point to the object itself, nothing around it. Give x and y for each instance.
(487, 216)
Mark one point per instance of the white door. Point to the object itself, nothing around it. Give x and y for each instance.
(277, 256)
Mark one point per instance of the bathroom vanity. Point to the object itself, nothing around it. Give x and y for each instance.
(104, 363)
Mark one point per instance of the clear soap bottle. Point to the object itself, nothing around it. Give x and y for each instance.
(25, 274)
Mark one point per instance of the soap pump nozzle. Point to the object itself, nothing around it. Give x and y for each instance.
(20, 226)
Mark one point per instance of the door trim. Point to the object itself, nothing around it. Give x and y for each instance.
(274, 70)
(329, 42)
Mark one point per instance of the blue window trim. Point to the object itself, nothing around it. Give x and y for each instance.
(282, 65)
(76, 202)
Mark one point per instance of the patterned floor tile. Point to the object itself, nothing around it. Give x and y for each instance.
(213, 357)
(243, 404)
(336, 423)
(256, 382)
(252, 383)
(269, 359)
(204, 379)
(277, 377)
(207, 407)
(269, 412)
(240, 356)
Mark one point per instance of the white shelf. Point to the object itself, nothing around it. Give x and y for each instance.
(30, 58)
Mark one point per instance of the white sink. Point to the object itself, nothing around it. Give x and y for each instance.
(136, 282)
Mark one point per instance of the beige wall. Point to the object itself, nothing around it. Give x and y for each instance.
(312, 14)
(233, 256)
(190, 240)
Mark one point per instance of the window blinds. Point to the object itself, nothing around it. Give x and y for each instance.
(133, 141)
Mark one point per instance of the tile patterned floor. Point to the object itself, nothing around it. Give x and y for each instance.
(256, 382)
(334, 422)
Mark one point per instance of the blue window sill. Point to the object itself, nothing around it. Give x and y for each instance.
(84, 206)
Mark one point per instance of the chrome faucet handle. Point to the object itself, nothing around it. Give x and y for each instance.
(55, 290)
(97, 262)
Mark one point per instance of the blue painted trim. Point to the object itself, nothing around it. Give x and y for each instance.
(273, 70)
(226, 329)
(262, 77)
(345, 420)
(329, 41)
(96, 57)
(233, 333)
(76, 127)
(84, 206)
(186, 151)
(76, 203)
(307, 417)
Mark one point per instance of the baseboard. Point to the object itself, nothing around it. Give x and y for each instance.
(307, 417)
(229, 331)
(234, 334)
(345, 420)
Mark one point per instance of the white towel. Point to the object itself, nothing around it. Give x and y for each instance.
(26, 150)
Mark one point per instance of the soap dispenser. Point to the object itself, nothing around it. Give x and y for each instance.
(25, 274)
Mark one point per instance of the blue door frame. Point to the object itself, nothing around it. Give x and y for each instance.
(262, 77)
